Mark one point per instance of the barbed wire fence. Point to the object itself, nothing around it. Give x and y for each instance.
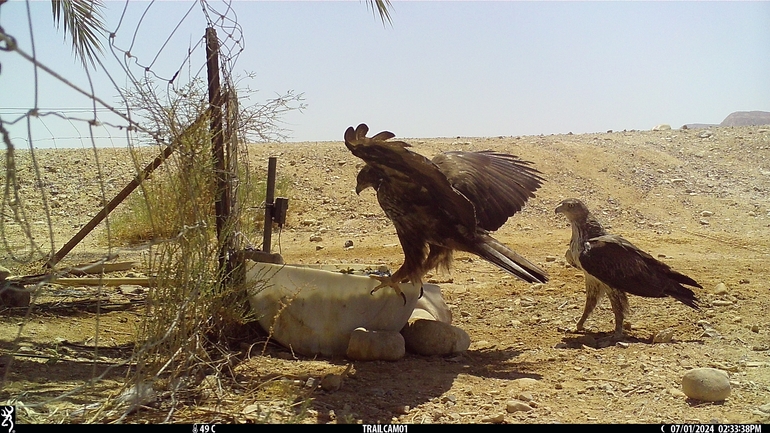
(174, 141)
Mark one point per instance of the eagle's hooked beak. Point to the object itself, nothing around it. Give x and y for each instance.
(360, 188)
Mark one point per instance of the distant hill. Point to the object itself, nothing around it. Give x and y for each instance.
(747, 118)
(738, 118)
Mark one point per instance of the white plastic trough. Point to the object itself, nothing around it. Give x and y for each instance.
(313, 309)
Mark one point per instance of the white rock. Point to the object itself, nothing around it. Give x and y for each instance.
(526, 382)
(721, 303)
(706, 384)
(367, 345)
(517, 406)
(431, 337)
(494, 419)
(316, 238)
(720, 289)
(662, 127)
(706, 213)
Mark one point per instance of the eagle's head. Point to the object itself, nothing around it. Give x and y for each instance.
(368, 177)
(573, 209)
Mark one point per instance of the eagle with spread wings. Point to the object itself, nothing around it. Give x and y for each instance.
(614, 266)
(446, 204)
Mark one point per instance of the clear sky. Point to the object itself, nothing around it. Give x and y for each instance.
(443, 68)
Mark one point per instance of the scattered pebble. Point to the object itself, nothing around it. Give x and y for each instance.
(664, 336)
(721, 302)
(517, 406)
(525, 397)
(316, 238)
(130, 289)
(706, 213)
(706, 384)
(494, 419)
(720, 289)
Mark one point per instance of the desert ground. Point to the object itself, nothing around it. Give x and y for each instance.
(695, 199)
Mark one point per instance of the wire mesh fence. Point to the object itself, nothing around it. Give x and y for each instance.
(121, 213)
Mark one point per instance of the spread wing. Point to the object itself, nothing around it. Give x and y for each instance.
(399, 163)
(497, 184)
(623, 266)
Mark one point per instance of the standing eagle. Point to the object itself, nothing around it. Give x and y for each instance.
(449, 203)
(614, 266)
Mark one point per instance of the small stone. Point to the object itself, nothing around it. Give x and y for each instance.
(720, 289)
(664, 336)
(525, 397)
(525, 382)
(755, 328)
(706, 384)
(765, 408)
(721, 303)
(662, 127)
(319, 247)
(130, 289)
(706, 213)
(450, 398)
(705, 134)
(704, 222)
(494, 419)
(348, 243)
(311, 383)
(316, 238)
(550, 258)
(517, 406)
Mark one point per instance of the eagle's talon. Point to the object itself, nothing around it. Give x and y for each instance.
(387, 282)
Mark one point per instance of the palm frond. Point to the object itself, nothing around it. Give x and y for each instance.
(84, 22)
(382, 8)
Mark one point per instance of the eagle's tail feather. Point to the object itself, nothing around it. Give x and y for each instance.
(495, 252)
(683, 295)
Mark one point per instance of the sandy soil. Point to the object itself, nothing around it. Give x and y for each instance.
(697, 201)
